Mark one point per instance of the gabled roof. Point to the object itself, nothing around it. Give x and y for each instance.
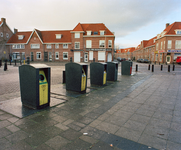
(130, 49)
(14, 37)
(171, 28)
(94, 27)
(44, 36)
(151, 42)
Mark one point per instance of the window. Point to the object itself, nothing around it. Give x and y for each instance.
(161, 45)
(49, 46)
(88, 44)
(20, 37)
(56, 55)
(18, 46)
(90, 55)
(77, 45)
(58, 36)
(169, 44)
(1, 34)
(101, 32)
(101, 55)
(7, 35)
(56, 46)
(65, 55)
(156, 46)
(65, 45)
(35, 46)
(77, 35)
(38, 55)
(178, 31)
(101, 43)
(109, 43)
(95, 33)
(88, 32)
(178, 44)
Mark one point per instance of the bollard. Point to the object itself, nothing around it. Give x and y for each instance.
(64, 77)
(166, 63)
(93, 59)
(24, 62)
(136, 67)
(168, 68)
(152, 68)
(28, 60)
(5, 65)
(159, 63)
(15, 62)
(0, 62)
(149, 67)
(161, 67)
(70, 59)
(173, 67)
(155, 62)
(10, 62)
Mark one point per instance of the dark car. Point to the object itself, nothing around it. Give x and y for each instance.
(145, 61)
(119, 59)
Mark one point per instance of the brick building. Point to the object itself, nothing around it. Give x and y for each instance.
(82, 44)
(127, 53)
(5, 34)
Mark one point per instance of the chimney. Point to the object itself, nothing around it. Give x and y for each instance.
(167, 25)
(3, 20)
(15, 31)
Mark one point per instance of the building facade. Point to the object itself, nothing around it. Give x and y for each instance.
(5, 34)
(82, 44)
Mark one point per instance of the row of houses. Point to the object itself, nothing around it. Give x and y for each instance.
(165, 47)
(84, 43)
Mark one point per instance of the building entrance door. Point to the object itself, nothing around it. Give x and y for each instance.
(86, 57)
(45, 56)
(31, 56)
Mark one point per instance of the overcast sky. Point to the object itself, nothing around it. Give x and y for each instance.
(131, 20)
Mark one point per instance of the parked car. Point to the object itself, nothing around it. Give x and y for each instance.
(119, 59)
(178, 60)
(138, 60)
(146, 61)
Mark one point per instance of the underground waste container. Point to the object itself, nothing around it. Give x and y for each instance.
(112, 71)
(35, 85)
(98, 73)
(126, 67)
(76, 77)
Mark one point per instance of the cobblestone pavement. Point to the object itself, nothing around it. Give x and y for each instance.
(138, 112)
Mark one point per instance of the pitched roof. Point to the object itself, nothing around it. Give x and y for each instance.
(45, 36)
(151, 42)
(94, 27)
(14, 37)
(171, 28)
(130, 49)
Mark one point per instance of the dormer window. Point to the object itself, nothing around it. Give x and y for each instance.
(101, 32)
(178, 31)
(58, 36)
(88, 32)
(77, 35)
(95, 33)
(20, 37)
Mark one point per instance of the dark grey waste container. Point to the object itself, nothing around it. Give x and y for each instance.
(35, 85)
(126, 67)
(112, 71)
(76, 76)
(98, 73)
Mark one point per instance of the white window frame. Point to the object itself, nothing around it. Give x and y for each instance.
(64, 54)
(49, 46)
(76, 45)
(56, 54)
(65, 46)
(18, 46)
(169, 44)
(89, 32)
(77, 35)
(58, 36)
(101, 55)
(109, 43)
(37, 55)
(56, 46)
(101, 43)
(178, 44)
(35, 46)
(102, 32)
(20, 37)
(88, 43)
